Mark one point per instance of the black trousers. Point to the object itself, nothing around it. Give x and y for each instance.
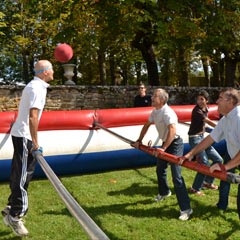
(22, 169)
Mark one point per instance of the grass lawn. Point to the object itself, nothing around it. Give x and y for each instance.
(121, 203)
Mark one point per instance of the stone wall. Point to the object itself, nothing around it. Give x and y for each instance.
(97, 97)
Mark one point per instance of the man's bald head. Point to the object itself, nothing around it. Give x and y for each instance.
(44, 70)
(42, 66)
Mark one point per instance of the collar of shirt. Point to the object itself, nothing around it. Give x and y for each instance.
(46, 85)
(162, 108)
(232, 113)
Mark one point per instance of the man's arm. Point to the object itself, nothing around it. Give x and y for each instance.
(209, 122)
(170, 137)
(33, 126)
(234, 162)
(142, 134)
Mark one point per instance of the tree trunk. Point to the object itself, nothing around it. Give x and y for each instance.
(230, 70)
(205, 64)
(112, 68)
(138, 67)
(165, 70)
(182, 68)
(152, 69)
(217, 66)
(102, 66)
(124, 74)
(25, 64)
(215, 81)
(221, 70)
(143, 44)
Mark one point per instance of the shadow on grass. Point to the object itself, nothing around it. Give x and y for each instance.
(134, 189)
(165, 211)
(208, 212)
(125, 209)
(63, 212)
(128, 209)
(5, 235)
(153, 180)
(147, 208)
(235, 224)
(228, 234)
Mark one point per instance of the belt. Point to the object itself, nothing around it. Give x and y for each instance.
(196, 135)
(176, 137)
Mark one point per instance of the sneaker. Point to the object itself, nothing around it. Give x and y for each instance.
(6, 210)
(184, 215)
(199, 193)
(162, 197)
(210, 186)
(16, 225)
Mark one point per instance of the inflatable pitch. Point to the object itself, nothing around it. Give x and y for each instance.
(72, 146)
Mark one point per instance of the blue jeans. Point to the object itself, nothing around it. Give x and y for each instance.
(209, 153)
(238, 201)
(224, 188)
(176, 148)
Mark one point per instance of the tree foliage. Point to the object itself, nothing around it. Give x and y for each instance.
(123, 41)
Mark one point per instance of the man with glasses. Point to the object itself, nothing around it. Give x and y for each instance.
(142, 99)
(228, 128)
(25, 140)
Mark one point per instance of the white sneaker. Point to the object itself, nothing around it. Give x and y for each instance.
(16, 225)
(162, 197)
(184, 215)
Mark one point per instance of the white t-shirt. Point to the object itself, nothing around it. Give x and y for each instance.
(33, 96)
(162, 118)
(228, 128)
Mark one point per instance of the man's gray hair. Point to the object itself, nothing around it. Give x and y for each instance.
(163, 95)
(233, 94)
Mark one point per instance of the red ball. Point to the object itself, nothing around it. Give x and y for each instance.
(63, 53)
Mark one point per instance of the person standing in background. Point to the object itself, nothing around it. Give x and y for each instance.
(24, 134)
(142, 99)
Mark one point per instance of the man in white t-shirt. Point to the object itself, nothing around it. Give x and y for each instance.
(165, 120)
(228, 128)
(25, 139)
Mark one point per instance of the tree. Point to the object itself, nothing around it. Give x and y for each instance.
(221, 22)
(127, 37)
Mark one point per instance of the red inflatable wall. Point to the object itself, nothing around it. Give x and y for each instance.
(84, 119)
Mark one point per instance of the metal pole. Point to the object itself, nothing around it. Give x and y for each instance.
(113, 133)
(89, 226)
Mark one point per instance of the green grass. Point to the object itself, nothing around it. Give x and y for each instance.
(121, 203)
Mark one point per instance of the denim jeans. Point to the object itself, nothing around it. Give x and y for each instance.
(224, 188)
(238, 201)
(209, 153)
(176, 148)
